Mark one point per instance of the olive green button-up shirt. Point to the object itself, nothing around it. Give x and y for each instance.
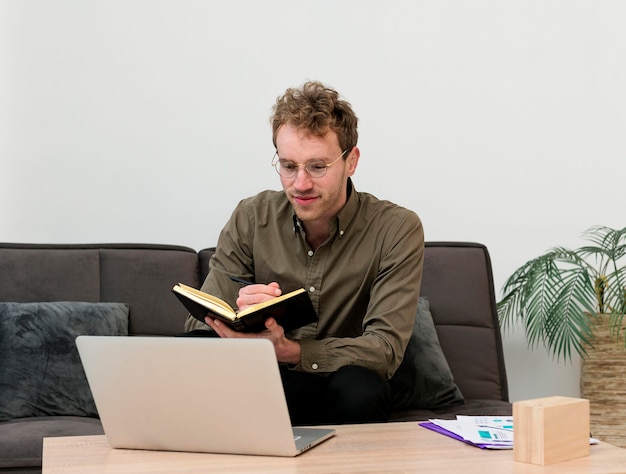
(363, 281)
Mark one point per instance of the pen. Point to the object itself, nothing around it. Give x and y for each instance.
(243, 282)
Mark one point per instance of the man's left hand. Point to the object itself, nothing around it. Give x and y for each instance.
(287, 350)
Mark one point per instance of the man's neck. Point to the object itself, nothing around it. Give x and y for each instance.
(316, 233)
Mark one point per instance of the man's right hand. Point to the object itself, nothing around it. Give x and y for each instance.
(257, 293)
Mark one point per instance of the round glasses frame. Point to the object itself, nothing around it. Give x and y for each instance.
(314, 168)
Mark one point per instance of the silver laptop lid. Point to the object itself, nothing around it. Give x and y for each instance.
(189, 394)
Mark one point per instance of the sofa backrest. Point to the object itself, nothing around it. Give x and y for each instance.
(458, 283)
(139, 275)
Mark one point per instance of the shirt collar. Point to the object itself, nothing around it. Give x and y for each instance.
(296, 224)
(347, 213)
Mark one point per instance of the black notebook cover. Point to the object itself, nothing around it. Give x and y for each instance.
(291, 313)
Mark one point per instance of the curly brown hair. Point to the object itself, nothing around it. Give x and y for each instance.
(316, 109)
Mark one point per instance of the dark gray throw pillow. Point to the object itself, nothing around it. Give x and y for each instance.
(40, 369)
(424, 379)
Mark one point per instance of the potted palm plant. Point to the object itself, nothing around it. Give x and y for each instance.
(574, 302)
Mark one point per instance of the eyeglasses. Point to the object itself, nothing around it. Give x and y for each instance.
(315, 168)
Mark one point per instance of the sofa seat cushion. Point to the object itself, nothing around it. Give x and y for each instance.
(424, 379)
(21, 439)
(40, 369)
(470, 408)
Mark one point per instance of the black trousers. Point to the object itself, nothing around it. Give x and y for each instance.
(353, 394)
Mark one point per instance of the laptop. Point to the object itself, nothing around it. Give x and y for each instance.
(192, 394)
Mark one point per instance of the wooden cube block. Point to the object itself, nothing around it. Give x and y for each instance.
(550, 430)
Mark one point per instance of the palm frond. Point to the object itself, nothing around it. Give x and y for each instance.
(611, 244)
(557, 296)
(569, 326)
(615, 291)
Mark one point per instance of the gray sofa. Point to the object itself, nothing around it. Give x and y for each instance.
(457, 283)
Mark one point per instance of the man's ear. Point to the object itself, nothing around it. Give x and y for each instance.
(353, 160)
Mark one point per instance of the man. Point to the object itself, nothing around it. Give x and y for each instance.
(359, 258)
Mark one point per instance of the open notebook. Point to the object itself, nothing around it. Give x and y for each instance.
(192, 394)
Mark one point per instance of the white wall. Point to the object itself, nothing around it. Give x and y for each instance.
(147, 120)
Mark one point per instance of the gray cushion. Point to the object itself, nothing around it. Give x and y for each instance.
(424, 379)
(40, 370)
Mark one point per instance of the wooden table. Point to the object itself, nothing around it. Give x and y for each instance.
(374, 448)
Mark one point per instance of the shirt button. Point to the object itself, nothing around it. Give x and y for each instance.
(310, 253)
(314, 366)
(312, 289)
